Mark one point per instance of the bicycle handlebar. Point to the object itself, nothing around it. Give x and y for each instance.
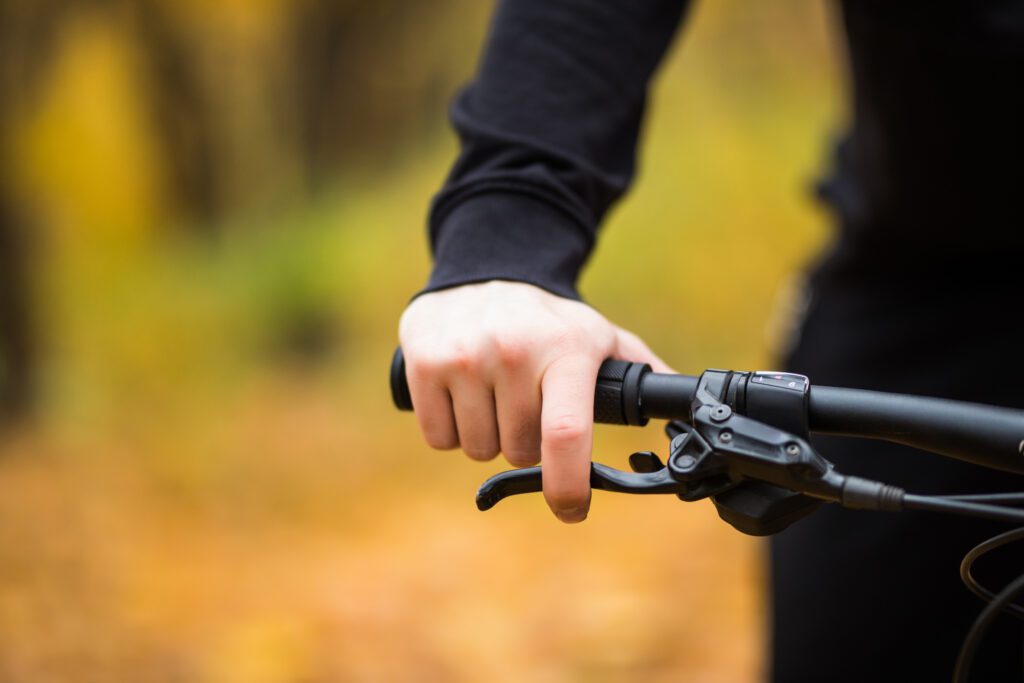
(630, 394)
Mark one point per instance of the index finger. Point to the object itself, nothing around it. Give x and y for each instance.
(567, 426)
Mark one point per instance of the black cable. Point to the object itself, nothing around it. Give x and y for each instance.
(959, 507)
(983, 549)
(962, 671)
(1015, 498)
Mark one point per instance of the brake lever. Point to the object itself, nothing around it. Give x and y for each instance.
(602, 478)
(693, 473)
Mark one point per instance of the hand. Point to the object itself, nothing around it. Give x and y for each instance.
(508, 367)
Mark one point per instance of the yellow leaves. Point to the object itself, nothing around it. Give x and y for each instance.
(260, 649)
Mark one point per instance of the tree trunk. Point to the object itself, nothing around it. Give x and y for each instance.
(17, 339)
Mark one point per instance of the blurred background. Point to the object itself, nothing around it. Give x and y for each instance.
(211, 218)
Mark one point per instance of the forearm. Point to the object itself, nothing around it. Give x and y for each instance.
(548, 130)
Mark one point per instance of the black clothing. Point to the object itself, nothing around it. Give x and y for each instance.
(549, 128)
(862, 596)
(921, 291)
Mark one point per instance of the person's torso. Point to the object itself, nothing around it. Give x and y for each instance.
(933, 163)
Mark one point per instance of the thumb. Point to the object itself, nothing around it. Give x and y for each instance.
(631, 347)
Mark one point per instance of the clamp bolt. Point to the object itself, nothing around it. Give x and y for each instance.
(720, 413)
(725, 436)
(792, 449)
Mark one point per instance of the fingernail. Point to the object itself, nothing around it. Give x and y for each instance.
(572, 515)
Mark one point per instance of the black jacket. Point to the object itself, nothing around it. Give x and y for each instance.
(930, 170)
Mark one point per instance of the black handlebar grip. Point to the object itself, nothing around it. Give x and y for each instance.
(399, 386)
(616, 396)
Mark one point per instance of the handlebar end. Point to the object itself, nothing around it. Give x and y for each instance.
(399, 386)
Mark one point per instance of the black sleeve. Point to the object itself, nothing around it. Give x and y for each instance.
(548, 130)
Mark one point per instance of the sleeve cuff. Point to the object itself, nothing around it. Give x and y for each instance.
(508, 236)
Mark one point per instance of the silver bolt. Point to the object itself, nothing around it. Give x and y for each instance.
(686, 462)
(725, 436)
(793, 449)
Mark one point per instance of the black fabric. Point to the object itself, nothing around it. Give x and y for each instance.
(933, 160)
(862, 596)
(551, 121)
(515, 246)
(931, 166)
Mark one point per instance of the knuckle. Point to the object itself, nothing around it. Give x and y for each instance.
(438, 366)
(463, 360)
(511, 352)
(422, 367)
(565, 430)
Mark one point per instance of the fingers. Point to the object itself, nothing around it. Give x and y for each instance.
(456, 406)
(631, 347)
(475, 419)
(518, 401)
(433, 405)
(567, 421)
